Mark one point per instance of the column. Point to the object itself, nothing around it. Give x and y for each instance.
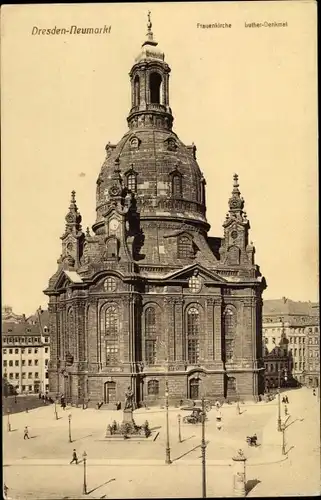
(218, 330)
(178, 330)
(210, 331)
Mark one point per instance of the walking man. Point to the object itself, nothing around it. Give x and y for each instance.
(26, 433)
(74, 457)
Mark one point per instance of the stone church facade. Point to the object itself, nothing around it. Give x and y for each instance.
(148, 296)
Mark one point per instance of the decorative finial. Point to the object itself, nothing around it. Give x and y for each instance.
(236, 178)
(149, 24)
(73, 196)
(87, 231)
(149, 27)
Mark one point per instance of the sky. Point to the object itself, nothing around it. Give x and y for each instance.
(247, 98)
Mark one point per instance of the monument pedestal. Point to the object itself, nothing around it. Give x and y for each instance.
(128, 416)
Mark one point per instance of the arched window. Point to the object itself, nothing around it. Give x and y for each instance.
(131, 182)
(153, 387)
(136, 91)
(193, 327)
(112, 248)
(111, 330)
(150, 335)
(177, 186)
(184, 247)
(155, 81)
(229, 333)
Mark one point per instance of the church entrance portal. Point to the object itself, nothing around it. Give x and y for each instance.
(194, 388)
(110, 392)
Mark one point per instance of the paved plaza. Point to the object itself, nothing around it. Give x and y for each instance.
(39, 468)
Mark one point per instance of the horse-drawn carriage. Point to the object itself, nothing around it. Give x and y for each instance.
(195, 417)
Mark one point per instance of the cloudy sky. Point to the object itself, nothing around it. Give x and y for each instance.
(245, 96)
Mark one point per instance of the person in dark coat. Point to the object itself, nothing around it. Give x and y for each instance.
(26, 433)
(74, 457)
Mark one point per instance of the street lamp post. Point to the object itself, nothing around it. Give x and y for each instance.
(69, 419)
(9, 424)
(56, 414)
(168, 450)
(84, 455)
(283, 438)
(179, 429)
(203, 448)
(279, 402)
(279, 424)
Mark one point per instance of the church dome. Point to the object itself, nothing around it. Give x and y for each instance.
(150, 161)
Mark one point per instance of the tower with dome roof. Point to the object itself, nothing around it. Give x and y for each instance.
(147, 295)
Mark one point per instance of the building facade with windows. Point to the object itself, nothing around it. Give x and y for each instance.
(26, 352)
(291, 333)
(148, 296)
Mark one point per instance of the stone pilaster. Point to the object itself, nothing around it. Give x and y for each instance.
(209, 328)
(218, 330)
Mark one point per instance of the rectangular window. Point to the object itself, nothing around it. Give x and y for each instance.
(111, 352)
(16, 375)
(36, 351)
(29, 351)
(47, 387)
(10, 351)
(23, 351)
(46, 362)
(30, 340)
(150, 351)
(16, 351)
(10, 375)
(10, 362)
(30, 387)
(4, 362)
(36, 375)
(46, 350)
(36, 362)
(193, 351)
(303, 340)
(29, 362)
(295, 351)
(4, 351)
(30, 375)
(23, 374)
(47, 375)
(295, 366)
(16, 363)
(23, 387)
(23, 362)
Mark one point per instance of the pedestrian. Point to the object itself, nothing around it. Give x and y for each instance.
(74, 457)
(286, 399)
(5, 491)
(26, 433)
(283, 400)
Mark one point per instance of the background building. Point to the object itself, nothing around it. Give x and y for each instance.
(291, 342)
(149, 296)
(25, 352)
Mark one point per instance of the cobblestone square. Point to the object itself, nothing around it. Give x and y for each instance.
(39, 468)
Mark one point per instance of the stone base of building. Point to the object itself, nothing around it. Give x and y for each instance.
(149, 388)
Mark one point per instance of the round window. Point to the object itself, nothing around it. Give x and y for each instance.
(110, 284)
